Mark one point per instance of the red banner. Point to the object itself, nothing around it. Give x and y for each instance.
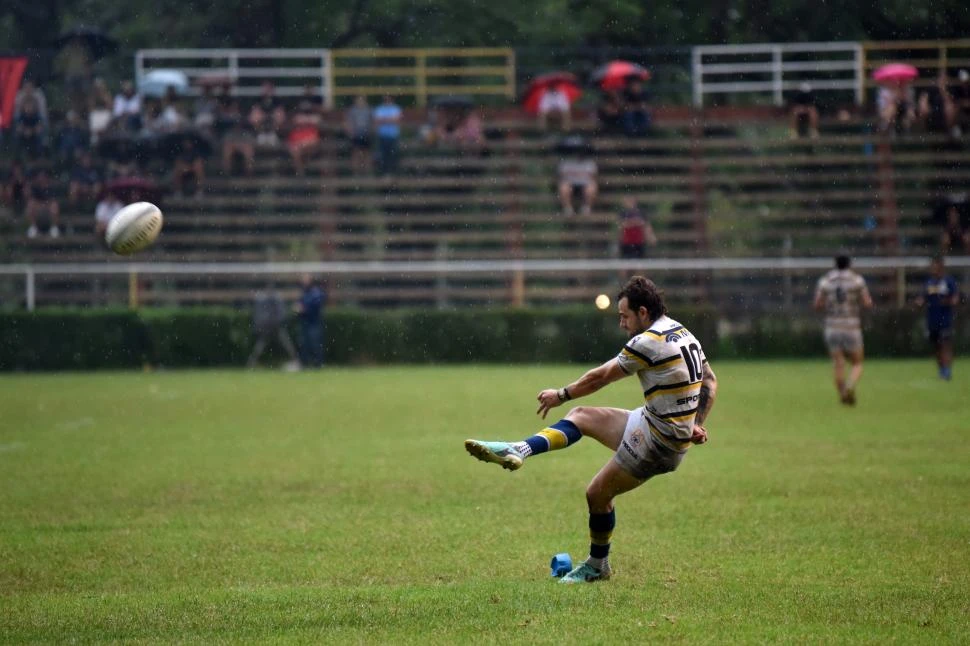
(11, 72)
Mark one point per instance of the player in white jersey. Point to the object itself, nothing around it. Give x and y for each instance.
(842, 294)
(678, 387)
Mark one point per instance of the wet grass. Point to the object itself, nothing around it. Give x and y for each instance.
(340, 507)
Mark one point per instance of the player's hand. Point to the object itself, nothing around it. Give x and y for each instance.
(548, 399)
(699, 435)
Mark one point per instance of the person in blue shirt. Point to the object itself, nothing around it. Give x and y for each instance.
(310, 310)
(940, 295)
(387, 121)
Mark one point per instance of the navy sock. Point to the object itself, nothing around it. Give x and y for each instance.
(558, 436)
(600, 531)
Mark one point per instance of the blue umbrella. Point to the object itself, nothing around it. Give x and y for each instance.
(156, 83)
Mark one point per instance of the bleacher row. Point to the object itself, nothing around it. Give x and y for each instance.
(717, 189)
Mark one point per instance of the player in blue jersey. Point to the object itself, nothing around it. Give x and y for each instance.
(678, 389)
(940, 295)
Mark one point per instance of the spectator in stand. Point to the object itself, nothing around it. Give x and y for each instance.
(85, 180)
(577, 176)
(13, 191)
(896, 107)
(554, 101)
(237, 136)
(123, 160)
(28, 129)
(636, 232)
(72, 139)
(387, 118)
(127, 108)
(205, 110)
(311, 93)
(267, 116)
(357, 125)
(106, 209)
(960, 94)
(41, 201)
(99, 112)
(304, 136)
(188, 163)
(636, 111)
(803, 113)
(29, 91)
(609, 113)
(464, 129)
(171, 117)
(309, 309)
(955, 238)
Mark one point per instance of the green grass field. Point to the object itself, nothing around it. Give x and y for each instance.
(340, 506)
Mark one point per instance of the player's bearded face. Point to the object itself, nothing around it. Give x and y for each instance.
(633, 323)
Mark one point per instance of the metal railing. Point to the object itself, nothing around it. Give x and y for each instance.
(930, 57)
(774, 68)
(517, 274)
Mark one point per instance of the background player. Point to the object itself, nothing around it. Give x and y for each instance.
(940, 295)
(841, 294)
(679, 388)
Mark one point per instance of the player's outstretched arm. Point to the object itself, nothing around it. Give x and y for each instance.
(589, 383)
(704, 404)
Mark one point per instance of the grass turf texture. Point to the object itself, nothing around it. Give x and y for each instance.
(341, 506)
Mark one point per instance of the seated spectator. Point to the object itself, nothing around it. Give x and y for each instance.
(577, 176)
(896, 108)
(955, 238)
(357, 125)
(304, 136)
(99, 112)
(555, 101)
(609, 113)
(636, 114)
(41, 201)
(636, 232)
(469, 133)
(72, 139)
(205, 110)
(189, 163)
(13, 191)
(28, 128)
(267, 116)
(29, 91)
(312, 94)
(106, 209)
(127, 108)
(803, 113)
(960, 95)
(85, 180)
(100, 94)
(238, 138)
(171, 117)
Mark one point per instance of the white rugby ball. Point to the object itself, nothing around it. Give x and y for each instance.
(133, 228)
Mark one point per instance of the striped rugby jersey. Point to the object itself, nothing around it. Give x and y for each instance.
(842, 290)
(669, 362)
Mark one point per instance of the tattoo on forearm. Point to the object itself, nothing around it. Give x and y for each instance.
(704, 403)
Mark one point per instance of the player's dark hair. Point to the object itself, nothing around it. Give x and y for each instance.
(842, 262)
(642, 292)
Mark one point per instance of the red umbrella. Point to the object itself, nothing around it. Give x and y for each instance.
(132, 189)
(895, 73)
(615, 74)
(566, 81)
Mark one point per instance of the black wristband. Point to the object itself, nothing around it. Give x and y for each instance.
(566, 395)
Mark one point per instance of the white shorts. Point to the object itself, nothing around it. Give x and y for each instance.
(843, 340)
(643, 455)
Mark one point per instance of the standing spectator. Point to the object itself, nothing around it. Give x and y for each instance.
(29, 91)
(106, 209)
(188, 163)
(636, 111)
(636, 232)
(357, 125)
(29, 129)
(127, 107)
(309, 309)
(304, 136)
(267, 116)
(72, 139)
(960, 95)
(896, 107)
(238, 137)
(269, 319)
(955, 238)
(99, 112)
(803, 113)
(41, 200)
(85, 180)
(555, 101)
(387, 117)
(577, 175)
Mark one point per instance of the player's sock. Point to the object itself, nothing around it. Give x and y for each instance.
(600, 531)
(558, 436)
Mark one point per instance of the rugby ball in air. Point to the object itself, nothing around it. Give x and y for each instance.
(133, 228)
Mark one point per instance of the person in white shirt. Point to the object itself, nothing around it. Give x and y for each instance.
(554, 101)
(127, 107)
(104, 211)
